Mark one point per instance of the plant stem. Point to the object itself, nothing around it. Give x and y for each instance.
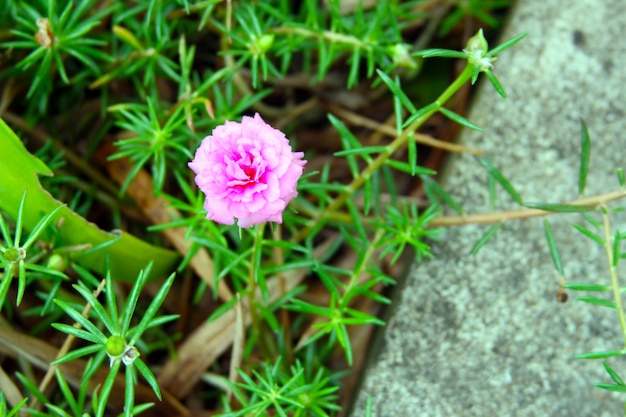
(384, 129)
(487, 218)
(342, 217)
(327, 35)
(376, 163)
(608, 247)
(279, 259)
(252, 277)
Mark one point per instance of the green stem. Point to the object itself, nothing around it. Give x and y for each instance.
(327, 35)
(354, 277)
(397, 143)
(252, 276)
(617, 295)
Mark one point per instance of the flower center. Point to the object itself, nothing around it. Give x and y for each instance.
(249, 171)
(245, 169)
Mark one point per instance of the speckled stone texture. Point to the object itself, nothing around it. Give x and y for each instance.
(485, 335)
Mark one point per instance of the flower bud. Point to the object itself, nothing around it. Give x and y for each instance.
(477, 43)
(262, 44)
(402, 57)
(115, 346)
(14, 255)
(476, 50)
(57, 262)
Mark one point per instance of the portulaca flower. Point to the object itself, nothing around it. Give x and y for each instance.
(247, 171)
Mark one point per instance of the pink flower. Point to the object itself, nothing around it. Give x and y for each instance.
(247, 171)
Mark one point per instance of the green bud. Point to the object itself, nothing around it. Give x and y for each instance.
(14, 254)
(57, 262)
(262, 44)
(477, 43)
(402, 57)
(477, 50)
(115, 346)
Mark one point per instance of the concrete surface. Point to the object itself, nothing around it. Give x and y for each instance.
(484, 335)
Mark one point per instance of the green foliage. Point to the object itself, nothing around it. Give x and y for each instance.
(407, 226)
(150, 80)
(128, 254)
(156, 141)
(599, 233)
(479, 9)
(120, 343)
(62, 32)
(13, 255)
(284, 392)
(5, 412)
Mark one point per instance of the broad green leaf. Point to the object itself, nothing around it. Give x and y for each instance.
(20, 170)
